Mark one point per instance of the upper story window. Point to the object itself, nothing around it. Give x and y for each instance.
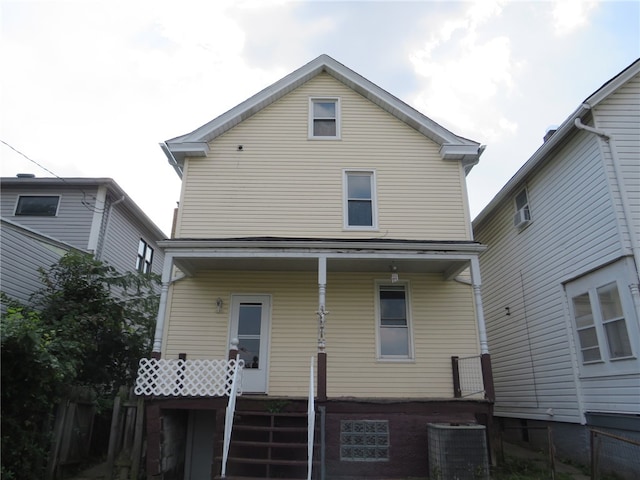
(600, 307)
(324, 118)
(360, 200)
(38, 205)
(394, 336)
(523, 214)
(145, 257)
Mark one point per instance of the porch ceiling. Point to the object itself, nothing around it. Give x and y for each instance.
(448, 267)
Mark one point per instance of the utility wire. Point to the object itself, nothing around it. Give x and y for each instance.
(84, 195)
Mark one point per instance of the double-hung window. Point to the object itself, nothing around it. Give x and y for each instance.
(393, 323)
(522, 216)
(37, 205)
(324, 118)
(604, 333)
(145, 257)
(360, 210)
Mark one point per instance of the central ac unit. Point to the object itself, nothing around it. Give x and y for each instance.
(458, 452)
(522, 217)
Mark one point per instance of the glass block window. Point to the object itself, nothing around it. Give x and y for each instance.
(364, 440)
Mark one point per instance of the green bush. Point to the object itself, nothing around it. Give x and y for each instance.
(89, 327)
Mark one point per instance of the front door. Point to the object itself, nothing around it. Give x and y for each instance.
(250, 315)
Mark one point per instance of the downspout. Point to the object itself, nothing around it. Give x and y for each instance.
(626, 209)
(485, 357)
(162, 307)
(476, 284)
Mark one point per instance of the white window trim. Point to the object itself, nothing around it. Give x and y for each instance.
(15, 209)
(336, 100)
(345, 200)
(143, 259)
(524, 222)
(619, 273)
(407, 291)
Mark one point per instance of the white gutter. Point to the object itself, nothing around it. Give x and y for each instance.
(626, 209)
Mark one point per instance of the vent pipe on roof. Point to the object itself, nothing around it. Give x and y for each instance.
(25, 175)
(549, 134)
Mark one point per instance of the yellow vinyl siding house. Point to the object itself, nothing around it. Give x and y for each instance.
(320, 219)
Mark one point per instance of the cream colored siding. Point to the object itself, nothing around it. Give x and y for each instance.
(443, 325)
(283, 184)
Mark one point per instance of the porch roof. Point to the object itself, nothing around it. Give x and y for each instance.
(301, 254)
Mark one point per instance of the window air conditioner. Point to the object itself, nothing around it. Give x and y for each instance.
(522, 217)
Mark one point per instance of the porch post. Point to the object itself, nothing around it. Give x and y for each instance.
(322, 354)
(485, 358)
(162, 308)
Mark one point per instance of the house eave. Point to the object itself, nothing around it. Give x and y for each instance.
(194, 144)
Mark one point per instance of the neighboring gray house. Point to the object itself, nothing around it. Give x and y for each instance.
(43, 218)
(560, 277)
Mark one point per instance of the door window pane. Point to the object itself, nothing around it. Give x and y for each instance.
(249, 321)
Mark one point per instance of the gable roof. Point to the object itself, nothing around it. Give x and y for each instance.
(195, 144)
(569, 125)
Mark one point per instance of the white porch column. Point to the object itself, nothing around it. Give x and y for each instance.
(322, 312)
(477, 293)
(322, 291)
(162, 308)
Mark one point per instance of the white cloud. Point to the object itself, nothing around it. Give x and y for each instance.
(568, 15)
(465, 71)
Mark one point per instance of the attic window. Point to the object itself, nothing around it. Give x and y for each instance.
(324, 118)
(38, 205)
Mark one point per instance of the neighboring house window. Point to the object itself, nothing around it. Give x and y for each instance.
(523, 214)
(324, 118)
(360, 200)
(364, 440)
(145, 257)
(600, 307)
(38, 205)
(394, 337)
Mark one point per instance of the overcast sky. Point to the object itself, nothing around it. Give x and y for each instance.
(90, 87)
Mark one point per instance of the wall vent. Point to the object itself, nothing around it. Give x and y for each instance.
(458, 452)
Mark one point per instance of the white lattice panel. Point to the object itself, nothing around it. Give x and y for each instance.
(190, 378)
